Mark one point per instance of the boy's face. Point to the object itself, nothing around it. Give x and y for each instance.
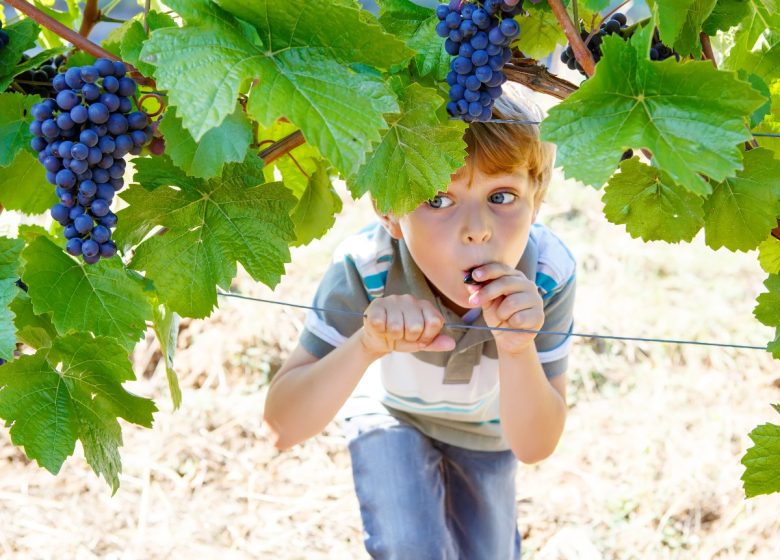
(468, 226)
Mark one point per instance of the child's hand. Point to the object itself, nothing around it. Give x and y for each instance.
(404, 324)
(509, 300)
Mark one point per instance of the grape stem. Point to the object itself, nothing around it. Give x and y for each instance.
(147, 5)
(706, 48)
(77, 40)
(90, 17)
(581, 52)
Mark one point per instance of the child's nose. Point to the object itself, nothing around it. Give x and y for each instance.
(476, 230)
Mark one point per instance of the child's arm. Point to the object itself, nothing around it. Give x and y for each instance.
(307, 392)
(532, 408)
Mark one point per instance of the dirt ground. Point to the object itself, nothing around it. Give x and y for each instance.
(648, 466)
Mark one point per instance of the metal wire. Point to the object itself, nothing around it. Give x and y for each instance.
(480, 327)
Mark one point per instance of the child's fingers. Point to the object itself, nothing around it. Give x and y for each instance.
(376, 318)
(395, 323)
(434, 321)
(414, 322)
(513, 303)
(442, 343)
(505, 285)
(493, 270)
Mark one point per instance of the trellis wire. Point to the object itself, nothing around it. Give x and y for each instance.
(507, 329)
(511, 121)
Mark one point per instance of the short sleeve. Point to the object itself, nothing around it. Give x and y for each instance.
(340, 289)
(553, 349)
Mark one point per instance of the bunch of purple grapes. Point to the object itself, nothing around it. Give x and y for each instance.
(616, 24)
(479, 40)
(81, 138)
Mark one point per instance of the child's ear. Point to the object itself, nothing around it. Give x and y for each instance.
(389, 221)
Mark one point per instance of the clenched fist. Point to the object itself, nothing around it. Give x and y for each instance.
(404, 324)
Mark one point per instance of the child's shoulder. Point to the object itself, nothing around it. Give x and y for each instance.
(556, 264)
(370, 244)
(369, 252)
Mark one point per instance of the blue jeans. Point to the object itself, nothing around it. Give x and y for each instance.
(423, 499)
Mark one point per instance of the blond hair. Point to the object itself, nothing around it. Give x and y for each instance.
(498, 148)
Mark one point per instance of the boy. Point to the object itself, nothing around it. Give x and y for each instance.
(436, 417)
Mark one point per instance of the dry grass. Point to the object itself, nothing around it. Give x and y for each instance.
(648, 467)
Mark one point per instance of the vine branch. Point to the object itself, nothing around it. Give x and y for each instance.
(90, 17)
(76, 39)
(581, 52)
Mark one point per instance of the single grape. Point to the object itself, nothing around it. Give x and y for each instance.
(89, 74)
(73, 246)
(101, 234)
(90, 248)
(99, 208)
(79, 114)
(59, 212)
(127, 86)
(98, 113)
(107, 249)
(104, 66)
(83, 223)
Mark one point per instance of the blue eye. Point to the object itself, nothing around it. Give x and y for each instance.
(440, 201)
(502, 197)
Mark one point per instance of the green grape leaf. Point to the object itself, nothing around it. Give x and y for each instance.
(34, 330)
(755, 50)
(419, 151)
(679, 22)
(316, 210)
(417, 26)
(725, 15)
(166, 327)
(335, 30)
(631, 102)
(762, 461)
(70, 18)
(15, 122)
(21, 36)
(768, 309)
(594, 5)
(743, 209)
(540, 33)
(23, 186)
(202, 67)
(760, 86)
(769, 255)
(211, 225)
(651, 205)
(133, 40)
(99, 298)
(338, 110)
(72, 390)
(774, 345)
(225, 143)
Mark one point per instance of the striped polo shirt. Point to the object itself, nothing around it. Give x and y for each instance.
(450, 396)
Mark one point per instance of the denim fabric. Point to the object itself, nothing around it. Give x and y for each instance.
(422, 499)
